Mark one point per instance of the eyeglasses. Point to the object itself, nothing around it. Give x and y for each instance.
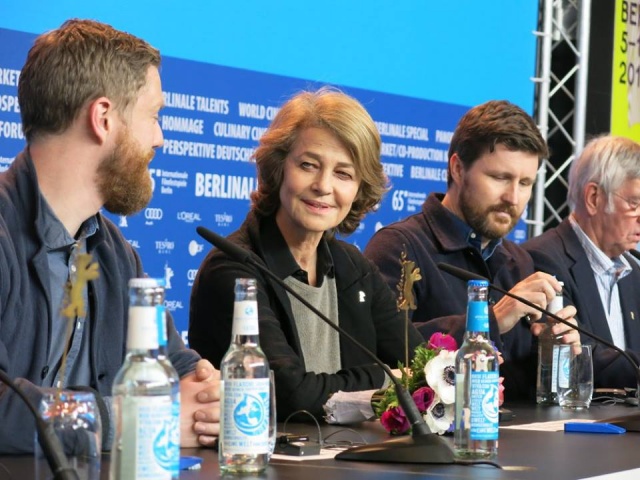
(634, 204)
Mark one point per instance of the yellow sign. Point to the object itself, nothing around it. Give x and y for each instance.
(625, 90)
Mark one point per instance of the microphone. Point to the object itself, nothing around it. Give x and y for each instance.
(634, 253)
(47, 438)
(629, 422)
(422, 447)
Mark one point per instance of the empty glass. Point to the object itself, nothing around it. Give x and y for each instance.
(76, 421)
(575, 376)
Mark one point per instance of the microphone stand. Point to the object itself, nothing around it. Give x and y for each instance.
(47, 438)
(630, 422)
(422, 447)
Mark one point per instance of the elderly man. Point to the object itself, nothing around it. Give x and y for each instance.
(587, 252)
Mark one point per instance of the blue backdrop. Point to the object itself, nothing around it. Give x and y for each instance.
(227, 68)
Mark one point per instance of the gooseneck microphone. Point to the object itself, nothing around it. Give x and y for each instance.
(629, 422)
(423, 446)
(634, 253)
(47, 438)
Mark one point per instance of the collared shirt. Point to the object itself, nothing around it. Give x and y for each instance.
(319, 343)
(607, 272)
(62, 252)
(275, 247)
(474, 238)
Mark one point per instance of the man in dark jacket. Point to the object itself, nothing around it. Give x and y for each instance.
(494, 155)
(587, 252)
(89, 98)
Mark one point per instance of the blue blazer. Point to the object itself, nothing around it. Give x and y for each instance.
(559, 252)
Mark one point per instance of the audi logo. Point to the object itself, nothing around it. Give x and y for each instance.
(153, 214)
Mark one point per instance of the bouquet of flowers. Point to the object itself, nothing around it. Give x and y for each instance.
(431, 375)
(431, 382)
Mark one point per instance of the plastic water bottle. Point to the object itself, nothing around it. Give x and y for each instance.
(244, 427)
(145, 445)
(547, 378)
(477, 399)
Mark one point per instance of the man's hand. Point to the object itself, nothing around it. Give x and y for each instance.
(538, 288)
(200, 406)
(568, 335)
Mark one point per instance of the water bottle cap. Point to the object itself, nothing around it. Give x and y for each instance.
(478, 283)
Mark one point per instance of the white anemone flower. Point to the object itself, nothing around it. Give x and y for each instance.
(439, 417)
(440, 374)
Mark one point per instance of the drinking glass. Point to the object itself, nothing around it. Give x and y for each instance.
(575, 376)
(76, 421)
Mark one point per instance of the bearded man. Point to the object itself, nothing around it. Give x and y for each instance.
(494, 155)
(89, 99)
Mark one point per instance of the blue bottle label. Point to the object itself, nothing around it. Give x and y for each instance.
(162, 325)
(245, 422)
(150, 447)
(484, 406)
(564, 368)
(477, 316)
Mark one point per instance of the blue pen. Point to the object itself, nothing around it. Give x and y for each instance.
(593, 428)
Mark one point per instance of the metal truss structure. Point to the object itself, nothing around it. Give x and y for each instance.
(561, 97)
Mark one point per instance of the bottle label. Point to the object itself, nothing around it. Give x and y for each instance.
(564, 364)
(484, 406)
(174, 435)
(477, 316)
(150, 446)
(142, 332)
(555, 361)
(245, 422)
(162, 325)
(245, 317)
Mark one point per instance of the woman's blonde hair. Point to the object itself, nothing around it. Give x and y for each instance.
(345, 118)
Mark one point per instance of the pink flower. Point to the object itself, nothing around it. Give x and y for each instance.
(394, 421)
(424, 398)
(443, 341)
(500, 391)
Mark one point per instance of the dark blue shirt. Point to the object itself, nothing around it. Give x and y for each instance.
(474, 238)
(62, 252)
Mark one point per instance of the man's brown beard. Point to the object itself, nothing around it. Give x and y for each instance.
(478, 219)
(123, 177)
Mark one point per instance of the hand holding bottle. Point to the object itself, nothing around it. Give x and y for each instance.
(539, 288)
(567, 335)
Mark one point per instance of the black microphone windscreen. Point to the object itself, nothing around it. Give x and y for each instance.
(635, 254)
(460, 272)
(223, 244)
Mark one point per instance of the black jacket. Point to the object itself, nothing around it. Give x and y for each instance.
(558, 251)
(432, 236)
(375, 322)
(25, 306)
